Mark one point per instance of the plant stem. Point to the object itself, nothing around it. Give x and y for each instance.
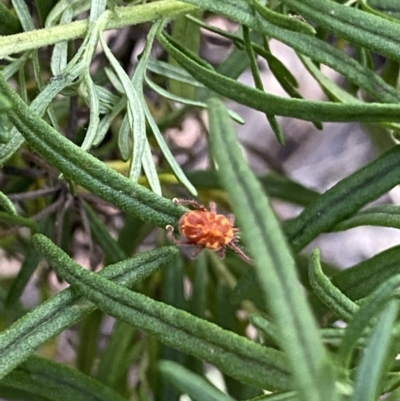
(118, 18)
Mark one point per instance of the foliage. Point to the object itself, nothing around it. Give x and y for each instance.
(68, 111)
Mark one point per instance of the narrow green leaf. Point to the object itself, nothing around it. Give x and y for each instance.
(172, 71)
(365, 29)
(328, 85)
(13, 67)
(373, 304)
(59, 56)
(279, 284)
(9, 23)
(345, 198)
(198, 302)
(168, 95)
(102, 235)
(90, 92)
(283, 21)
(135, 113)
(58, 382)
(124, 139)
(277, 130)
(267, 103)
(28, 266)
(13, 393)
(137, 83)
(176, 168)
(6, 204)
(24, 15)
(330, 295)
(197, 388)
(61, 7)
(107, 99)
(362, 279)
(97, 8)
(89, 332)
(267, 328)
(384, 216)
(391, 8)
(186, 32)
(86, 170)
(112, 76)
(377, 358)
(226, 350)
(39, 106)
(66, 308)
(116, 355)
(44, 7)
(150, 169)
(316, 49)
(18, 220)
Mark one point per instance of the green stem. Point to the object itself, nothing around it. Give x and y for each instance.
(118, 18)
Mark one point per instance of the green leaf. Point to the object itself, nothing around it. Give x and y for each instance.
(365, 29)
(118, 18)
(9, 23)
(116, 354)
(330, 295)
(44, 7)
(384, 216)
(168, 95)
(6, 204)
(267, 328)
(28, 267)
(378, 356)
(66, 308)
(391, 8)
(267, 103)
(102, 235)
(24, 15)
(97, 8)
(18, 220)
(360, 280)
(372, 305)
(172, 71)
(283, 21)
(279, 284)
(345, 198)
(90, 94)
(197, 388)
(318, 50)
(38, 105)
(86, 170)
(226, 350)
(135, 115)
(187, 33)
(40, 376)
(59, 56)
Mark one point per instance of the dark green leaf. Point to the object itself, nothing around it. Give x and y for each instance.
(279, 284)
(226, 350)
(39, 376)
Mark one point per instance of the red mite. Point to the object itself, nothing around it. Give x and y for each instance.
(205, 228)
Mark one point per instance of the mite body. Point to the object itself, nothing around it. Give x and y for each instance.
(205, 228)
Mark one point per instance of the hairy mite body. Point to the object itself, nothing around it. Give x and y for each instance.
(207, 229)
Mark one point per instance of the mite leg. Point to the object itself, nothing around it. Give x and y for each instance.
(190, 202)
(213, 207)
(233, 246)
(181, 242)
(221, 252)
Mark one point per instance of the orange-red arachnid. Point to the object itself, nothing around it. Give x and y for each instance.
(205, 228)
